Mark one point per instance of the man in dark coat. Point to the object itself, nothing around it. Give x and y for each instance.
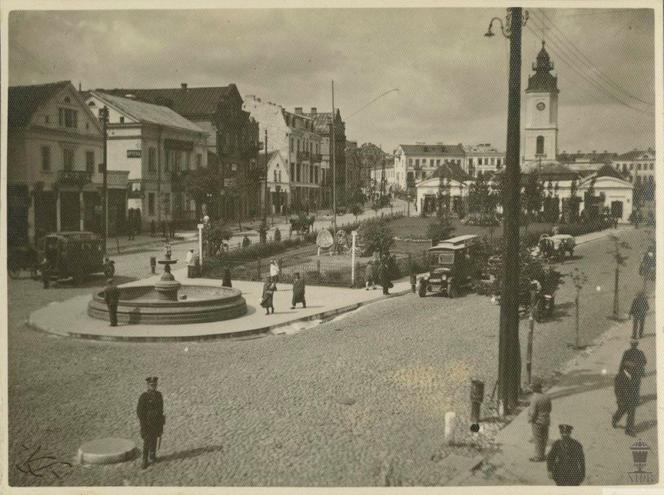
(539, 416)
(638, 312)
(566, 463)
(298, 291)
(634, 361)
(150, 411)
(112, 298)
(627, 390)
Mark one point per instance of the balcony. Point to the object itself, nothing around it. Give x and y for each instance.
(77, 178)
(316, 157)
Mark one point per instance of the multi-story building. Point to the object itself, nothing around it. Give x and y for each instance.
(278, 182)
(300, 146)
(638, 166)
(323, 127)
(233, 140)
(155, 145)
(55, 165)
(483, 158)
(421, 160)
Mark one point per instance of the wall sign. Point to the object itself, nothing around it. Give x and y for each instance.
(133, 153)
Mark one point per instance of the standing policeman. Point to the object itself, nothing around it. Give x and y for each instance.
(566, 463)
(112, 297)
(150, 411)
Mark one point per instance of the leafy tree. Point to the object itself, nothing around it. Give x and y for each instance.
(217, 232)
(440, 229)
(620, 259)
(203, 184)
(376, 236)
(532, 194)
(356, 209)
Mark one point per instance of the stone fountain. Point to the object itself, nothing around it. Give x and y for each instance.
(168, 302)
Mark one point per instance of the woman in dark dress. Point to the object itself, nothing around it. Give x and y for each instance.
(268, 292)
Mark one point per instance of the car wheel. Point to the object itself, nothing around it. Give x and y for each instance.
(452, 292)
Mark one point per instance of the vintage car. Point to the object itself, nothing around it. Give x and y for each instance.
(73, 254)
(556, 246)
(452, 267)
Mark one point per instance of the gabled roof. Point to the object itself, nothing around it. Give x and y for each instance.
(147, 112)
(25, 100)
(609, 171)
(270, 156)
(322, 120)
(635, 155)
(451, 171)
(432, 149)
(185, 101)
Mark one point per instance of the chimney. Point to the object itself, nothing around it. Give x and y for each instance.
(183, 86)
(314, 110)
(298, 110)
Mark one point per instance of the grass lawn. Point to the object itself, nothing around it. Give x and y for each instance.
(416, 228)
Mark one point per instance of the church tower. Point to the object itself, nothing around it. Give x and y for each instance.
(541, 119)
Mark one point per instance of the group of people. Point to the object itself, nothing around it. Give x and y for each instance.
(270, 287)
(566, 461)
(379, 270)
(167, 229)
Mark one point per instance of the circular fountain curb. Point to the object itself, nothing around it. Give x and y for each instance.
(109, 450)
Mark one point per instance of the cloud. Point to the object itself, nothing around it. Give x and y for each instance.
(452, 80)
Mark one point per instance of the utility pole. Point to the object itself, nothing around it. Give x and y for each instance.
(267, 193)
(334, 170)
(103, 114)
(509, 351)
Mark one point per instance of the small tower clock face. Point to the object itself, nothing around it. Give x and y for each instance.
(541, 106)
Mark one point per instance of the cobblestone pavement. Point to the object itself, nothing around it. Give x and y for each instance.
(352, 402)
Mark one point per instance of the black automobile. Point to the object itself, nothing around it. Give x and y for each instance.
(452, 267)
(73, 254)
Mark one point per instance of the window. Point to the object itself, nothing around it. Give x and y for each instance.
(199, 160)
(169, 160)
(47, 119)
(150, 203)
(121, 119)
(68, 118)
(177, 160)
(275, 176)
(410, 162)
(167, 203)
(631, 166)
(290, 149)
(539, 148)
(152, 159)
(638, 166)
(46, 158)
(279, 176)
(292, 171)
(90, 161)
(297, 177)
(417, 162)
(68, 159)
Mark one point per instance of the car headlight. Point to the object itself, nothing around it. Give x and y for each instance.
(444, 277)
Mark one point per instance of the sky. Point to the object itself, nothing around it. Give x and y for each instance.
(451, 80)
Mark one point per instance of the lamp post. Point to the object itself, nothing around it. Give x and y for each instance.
(509, 351)
(103, 116)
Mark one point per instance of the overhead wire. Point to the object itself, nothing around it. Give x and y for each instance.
(582, 57)
(561, 54)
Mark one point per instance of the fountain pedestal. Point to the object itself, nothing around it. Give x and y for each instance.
(167, 287)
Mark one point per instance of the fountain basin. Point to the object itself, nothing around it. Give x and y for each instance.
(194, 304)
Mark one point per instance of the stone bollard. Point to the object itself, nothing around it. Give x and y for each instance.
(476, 398)
(450, 427)
(153, 264)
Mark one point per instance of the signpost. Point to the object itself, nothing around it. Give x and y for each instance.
(200, 242)
(352, 257)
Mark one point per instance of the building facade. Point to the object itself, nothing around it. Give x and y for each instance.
(156, 146)
(483, 158)
(540, 134)
(55, 165)
(232, 142)
(422, 160)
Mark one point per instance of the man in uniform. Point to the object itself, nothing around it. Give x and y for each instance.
(566, 463)
(298, 291)
(627, 386)
(150, 411)
(633, 359)
(112, 297)
(539, 417)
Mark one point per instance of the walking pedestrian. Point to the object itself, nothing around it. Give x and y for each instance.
(370, 275)
(226, 280)
(112, 298)
(274, 271)
(634, 360)
(626, 388)
(150, 412)
(566, 463)
(638, 312)
(45, 268)
(268, 294)
(539, 416)
(189, 257)
(245, 242)
(298, 291)
(384, 274)
(153, 228)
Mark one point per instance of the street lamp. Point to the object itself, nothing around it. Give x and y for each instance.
(103, 116)
(509, 350)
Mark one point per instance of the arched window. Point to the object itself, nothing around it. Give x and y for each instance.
(540, 145)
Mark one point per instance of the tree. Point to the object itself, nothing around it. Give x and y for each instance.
(203, 185)
(589, 204)
(532, 194)
(441, 228)
(619, 258)
(444, 189)
(411, 192)
(376, 236)
(217, 232)
(572, 204)
(479, 194)
(356, 210)
(638, 194)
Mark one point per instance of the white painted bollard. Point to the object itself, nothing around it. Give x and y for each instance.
(450, 426)
(200, 243)
(352, 261)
